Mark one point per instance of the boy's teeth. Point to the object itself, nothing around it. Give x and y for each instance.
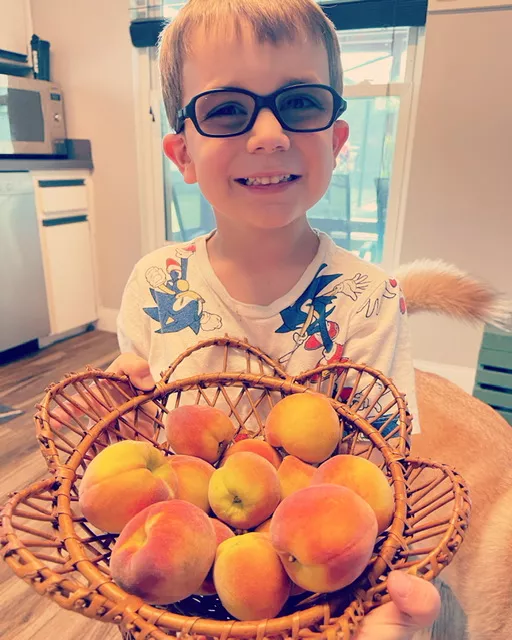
(267, 180)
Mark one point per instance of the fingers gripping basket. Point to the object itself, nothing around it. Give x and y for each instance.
(51, 546)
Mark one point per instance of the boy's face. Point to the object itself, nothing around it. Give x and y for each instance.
(217, 163)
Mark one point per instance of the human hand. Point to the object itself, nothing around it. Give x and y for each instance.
(415, 604)
(352, 287)
(138, 371)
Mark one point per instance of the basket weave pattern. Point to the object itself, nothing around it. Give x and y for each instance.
(48, 543)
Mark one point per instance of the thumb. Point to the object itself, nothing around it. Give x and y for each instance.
(414, 597)
(414, 605)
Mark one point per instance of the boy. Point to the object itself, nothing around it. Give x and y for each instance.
(253, 90)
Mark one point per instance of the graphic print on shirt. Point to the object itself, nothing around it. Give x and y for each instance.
(308, 316)
(178, 307)
(372, 306)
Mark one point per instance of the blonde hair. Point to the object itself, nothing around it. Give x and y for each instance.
(273, 21)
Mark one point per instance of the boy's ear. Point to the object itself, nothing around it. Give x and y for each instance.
(339, 137)
(175, 148)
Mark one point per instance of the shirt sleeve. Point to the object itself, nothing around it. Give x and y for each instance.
(132, 327)
(378, 335)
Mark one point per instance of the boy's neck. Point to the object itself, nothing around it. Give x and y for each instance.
(260, 266)
(295, 244)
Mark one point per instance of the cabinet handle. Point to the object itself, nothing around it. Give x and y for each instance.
(61, 183)
(70, 220)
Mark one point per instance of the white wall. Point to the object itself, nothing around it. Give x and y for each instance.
(91, 57)
(460, 190)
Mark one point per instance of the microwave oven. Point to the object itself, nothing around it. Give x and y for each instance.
(31, 118)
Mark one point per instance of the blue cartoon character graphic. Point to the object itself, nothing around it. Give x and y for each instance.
(177, 306)
(308, 317)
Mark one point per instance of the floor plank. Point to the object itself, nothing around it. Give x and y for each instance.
(24, 615)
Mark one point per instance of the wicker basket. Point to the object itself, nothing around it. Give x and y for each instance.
(51, 546)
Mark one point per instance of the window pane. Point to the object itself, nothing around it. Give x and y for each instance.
(353, 211)
(374, 55)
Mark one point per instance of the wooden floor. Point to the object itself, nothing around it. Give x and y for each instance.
(24, 615)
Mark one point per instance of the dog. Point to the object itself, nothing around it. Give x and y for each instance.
(465, 433)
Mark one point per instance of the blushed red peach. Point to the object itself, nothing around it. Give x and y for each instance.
(123, 479)
(339, 554)
(294, 475)
(249, 577)
(254, 445)
(245, 491)
(199, 430)
(165, 552)
(363, 477)
(193, 479)
(222, 532)
(305, 425)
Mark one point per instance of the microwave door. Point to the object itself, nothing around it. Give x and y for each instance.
(22, 126)
(23, 121)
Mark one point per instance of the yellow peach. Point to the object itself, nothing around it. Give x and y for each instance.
(222, 532)
(249, 577)
(245, 491)
(193, 479)
(165, 552)
(363, 477)
(324, 535)
(255, 445)
(294, 475)
(123, 479)
(305, 425)
(201, 431)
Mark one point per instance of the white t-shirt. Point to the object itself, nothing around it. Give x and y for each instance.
(341, 307)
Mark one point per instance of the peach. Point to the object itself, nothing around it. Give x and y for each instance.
(305, 425)
(193, 479)
(222, 532)
(244, 491)
(123, 479)
(165, 552)
(249, 577)
(264, 527)
(363, 477)
(200, 431)
(294, 475)
(255, 445)
(324, 535)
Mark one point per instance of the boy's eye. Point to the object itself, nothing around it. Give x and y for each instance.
(300, 102)
(228, 109)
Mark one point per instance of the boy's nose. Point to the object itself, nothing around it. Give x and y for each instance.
(267, 135)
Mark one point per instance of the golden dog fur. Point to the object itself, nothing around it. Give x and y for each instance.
(470, 436)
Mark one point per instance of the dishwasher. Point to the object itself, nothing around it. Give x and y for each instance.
(24, 314)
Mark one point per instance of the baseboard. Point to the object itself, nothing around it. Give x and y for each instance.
(107, 319)
(464, 377)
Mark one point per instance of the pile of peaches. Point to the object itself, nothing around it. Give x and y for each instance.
(252, 520)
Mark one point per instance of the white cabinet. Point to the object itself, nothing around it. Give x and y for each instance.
(72, 299)
(14, 22)
(448, 5)
(64, 212)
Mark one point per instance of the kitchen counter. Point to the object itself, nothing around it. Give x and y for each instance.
(78, 156)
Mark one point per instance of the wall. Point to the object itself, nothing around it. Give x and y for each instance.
(458, 205)
(91, 57)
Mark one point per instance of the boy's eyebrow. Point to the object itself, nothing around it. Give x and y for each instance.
(288, 83)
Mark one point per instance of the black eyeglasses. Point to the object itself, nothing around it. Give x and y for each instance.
(221, 113)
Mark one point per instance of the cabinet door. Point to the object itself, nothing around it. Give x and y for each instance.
(72, 300)
(13, 26)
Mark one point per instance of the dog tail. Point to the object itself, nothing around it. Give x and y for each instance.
(433, 285)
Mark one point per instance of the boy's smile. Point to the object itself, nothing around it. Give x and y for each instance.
(267, 177)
